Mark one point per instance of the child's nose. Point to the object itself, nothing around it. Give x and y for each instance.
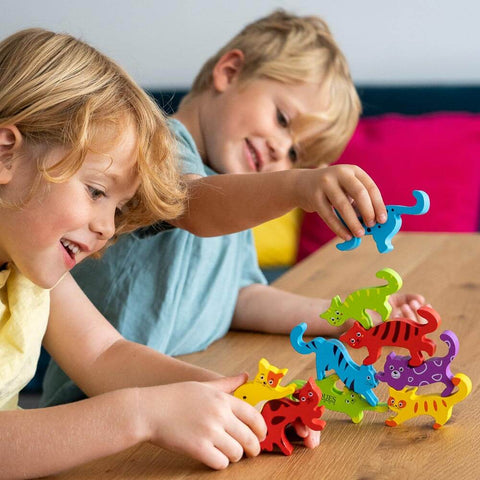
(280, 147)
(103, 223)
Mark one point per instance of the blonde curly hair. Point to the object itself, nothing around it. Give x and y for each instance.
(59, 91)
(291, 49)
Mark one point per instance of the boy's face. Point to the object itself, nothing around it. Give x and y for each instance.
(246, 128)
(65, 222)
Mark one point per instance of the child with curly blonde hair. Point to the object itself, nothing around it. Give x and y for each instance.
(84, 156)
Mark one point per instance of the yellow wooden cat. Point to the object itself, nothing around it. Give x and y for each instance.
(265, 386)
(408, 405)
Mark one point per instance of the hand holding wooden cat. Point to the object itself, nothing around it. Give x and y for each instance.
(202, 420)
(341, 188)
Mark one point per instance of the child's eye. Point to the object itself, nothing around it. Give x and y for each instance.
(292, 154)
(282, 119)
(95, 193)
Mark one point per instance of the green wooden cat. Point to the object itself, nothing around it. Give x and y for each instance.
(372, 298)
(343, 401)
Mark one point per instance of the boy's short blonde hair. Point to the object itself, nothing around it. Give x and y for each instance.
(61, 92)
(292, 49)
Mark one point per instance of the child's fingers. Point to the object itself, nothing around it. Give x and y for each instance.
(324, 209)
(230, 447)
(301, 429)
(210, 455)
(343, 205)
(250, 417)
(374, 196)
(362, 203)
(244, 437)
(229, 384)
(312, 439)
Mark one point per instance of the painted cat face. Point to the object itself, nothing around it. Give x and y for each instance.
(396, 404)
(355, 337)
(309, 393)
(269, 375)
(367, 375)
(394, 371)
(334, 314)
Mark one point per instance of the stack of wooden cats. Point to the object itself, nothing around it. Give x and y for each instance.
(403, 374)
(305, 402)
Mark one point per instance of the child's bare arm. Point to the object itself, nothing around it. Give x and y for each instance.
(94, 354)
(100, 362)
(267, 309)
(58, 438)
(65, 436)
(224, 204)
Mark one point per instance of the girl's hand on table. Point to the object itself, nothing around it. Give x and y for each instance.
(202, 420)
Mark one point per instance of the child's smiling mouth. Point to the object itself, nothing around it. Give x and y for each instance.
(70, 247)
(70, 251)
(255, 159)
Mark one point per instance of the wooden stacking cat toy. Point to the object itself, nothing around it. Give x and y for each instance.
(373, 298)
(265, 386)
(279, 414)
(407, 404)
(383, 233)
(398, 374)
(343, 400)
(333, 355)
(401, 332)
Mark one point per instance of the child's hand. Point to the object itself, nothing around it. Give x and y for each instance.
(203, 421)
(311, 438)
(406, 306)
(349, 190)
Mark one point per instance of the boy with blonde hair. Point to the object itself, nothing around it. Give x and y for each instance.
(278, 95)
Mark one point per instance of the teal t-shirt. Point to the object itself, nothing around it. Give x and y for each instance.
(172, 290)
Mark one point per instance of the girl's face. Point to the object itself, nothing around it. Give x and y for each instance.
(63, 223)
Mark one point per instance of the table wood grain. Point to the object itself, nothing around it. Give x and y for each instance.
(443, 267)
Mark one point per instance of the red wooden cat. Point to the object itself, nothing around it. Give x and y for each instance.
(278, 414)
(401, 332)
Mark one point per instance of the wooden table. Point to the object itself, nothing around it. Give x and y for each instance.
(446, 269)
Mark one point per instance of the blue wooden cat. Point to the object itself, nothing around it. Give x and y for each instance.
(383, 233)
(333, 355)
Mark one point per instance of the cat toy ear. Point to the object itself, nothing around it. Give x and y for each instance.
(336, 301)
(264, 363)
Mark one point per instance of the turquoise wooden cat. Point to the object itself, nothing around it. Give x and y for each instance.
(383, 233)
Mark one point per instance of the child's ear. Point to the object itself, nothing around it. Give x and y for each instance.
(227, 69)
(10, 142)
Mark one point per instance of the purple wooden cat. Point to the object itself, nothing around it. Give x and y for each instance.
(398, 374)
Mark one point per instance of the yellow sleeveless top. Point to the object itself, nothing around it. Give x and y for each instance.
(24, 309)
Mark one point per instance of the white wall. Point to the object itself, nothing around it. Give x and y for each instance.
(163, 43)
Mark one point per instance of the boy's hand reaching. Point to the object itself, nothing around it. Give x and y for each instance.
(406, 306)
(202, 420)
(347, 189)
(311, 438)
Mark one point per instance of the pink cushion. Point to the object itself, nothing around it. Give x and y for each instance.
(438, 153)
